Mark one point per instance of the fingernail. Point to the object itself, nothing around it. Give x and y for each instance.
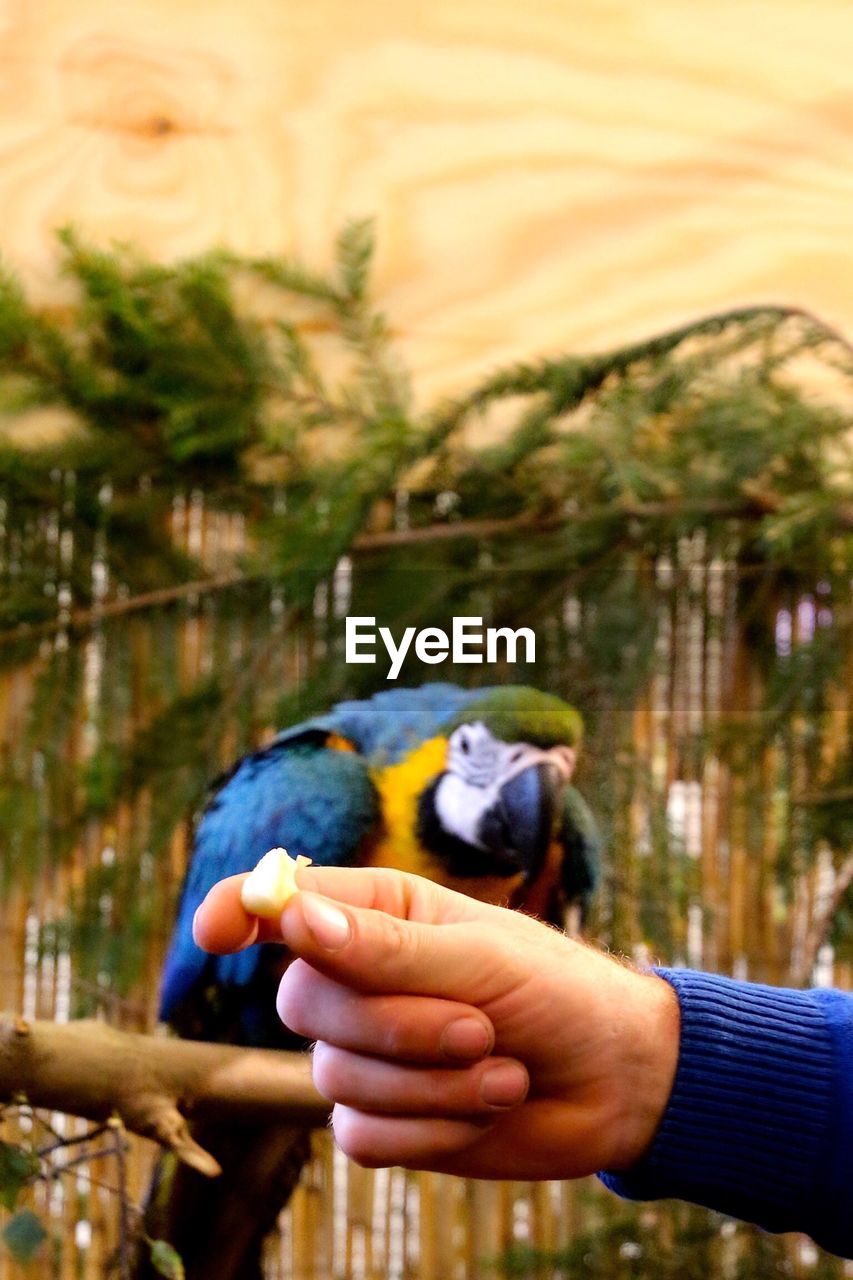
(504, 1086)
(327, 923)
(465, 1038)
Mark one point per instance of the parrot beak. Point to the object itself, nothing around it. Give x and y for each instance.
(522, 820)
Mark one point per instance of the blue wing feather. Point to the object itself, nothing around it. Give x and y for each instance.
(299, 795)
(305, 797)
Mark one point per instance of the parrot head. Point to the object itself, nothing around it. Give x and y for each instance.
(495, 807)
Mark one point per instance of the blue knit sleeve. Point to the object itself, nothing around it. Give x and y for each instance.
(760, 1121)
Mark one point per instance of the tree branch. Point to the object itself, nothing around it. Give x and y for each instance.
(153, 1083)
(754, 506)
(818, 928)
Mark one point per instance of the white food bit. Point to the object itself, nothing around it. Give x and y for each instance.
(272, 883)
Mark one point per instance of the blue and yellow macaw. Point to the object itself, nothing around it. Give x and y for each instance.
(470, 788)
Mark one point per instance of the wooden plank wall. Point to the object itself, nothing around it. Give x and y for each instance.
(545, 175)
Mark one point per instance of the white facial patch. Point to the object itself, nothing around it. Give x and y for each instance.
(474, 755)
(460, 807)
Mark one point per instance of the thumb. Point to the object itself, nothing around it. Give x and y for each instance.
(372, 950)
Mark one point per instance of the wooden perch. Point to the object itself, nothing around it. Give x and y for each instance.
(153, 1084)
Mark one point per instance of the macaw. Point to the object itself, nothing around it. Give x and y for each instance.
(470, 788)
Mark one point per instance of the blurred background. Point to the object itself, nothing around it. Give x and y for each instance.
(566, 176)
(183, 529)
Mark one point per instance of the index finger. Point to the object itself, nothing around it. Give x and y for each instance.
(470, 960)
(222, 924)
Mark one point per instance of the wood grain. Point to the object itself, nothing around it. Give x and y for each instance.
(544, 176)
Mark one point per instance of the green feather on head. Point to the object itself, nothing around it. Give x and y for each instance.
(517, 713)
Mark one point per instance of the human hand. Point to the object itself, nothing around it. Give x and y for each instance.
(462, 1037)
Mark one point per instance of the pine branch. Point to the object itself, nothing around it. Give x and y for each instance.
(354, 255)
(175, 382)
(751, 509)
(571, 381)
(82, 619)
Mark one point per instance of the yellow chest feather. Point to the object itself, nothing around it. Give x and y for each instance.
(400, 787)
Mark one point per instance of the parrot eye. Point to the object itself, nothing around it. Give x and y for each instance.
(473, 754)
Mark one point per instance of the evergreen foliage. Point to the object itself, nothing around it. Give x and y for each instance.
(689, 1244)
(721, 449)
(173, 379)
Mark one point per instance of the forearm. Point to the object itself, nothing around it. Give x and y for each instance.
(760, 1120)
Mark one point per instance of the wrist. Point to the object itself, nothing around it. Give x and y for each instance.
(646, 1065)
(751, 1115)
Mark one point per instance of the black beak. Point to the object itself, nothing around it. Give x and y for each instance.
(522, 821)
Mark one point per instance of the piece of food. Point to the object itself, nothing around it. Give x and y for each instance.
(272, 883)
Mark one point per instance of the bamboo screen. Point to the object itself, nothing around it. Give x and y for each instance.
(112, 723)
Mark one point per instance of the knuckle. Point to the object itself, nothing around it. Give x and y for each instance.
(405, 950)
(395, 1035)
(291, 1005)
(326, 1071)
(398, 938)
(394, 1043)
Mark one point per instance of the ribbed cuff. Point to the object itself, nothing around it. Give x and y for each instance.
(745, 1129)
